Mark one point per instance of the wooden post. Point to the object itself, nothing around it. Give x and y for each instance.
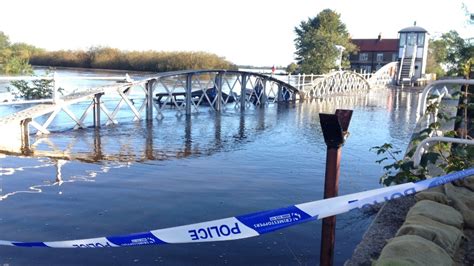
(334, 127)
(189, 82)
(149, 99)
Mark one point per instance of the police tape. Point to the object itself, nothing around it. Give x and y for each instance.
(254, 224)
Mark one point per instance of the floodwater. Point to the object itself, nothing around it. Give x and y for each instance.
(139, 176)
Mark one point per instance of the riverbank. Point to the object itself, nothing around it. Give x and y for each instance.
(392, 217)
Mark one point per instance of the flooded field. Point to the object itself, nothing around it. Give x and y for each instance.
(138, 176)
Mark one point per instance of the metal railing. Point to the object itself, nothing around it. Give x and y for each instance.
(426, 91)
(337, 82)
(384, 76)
(401, 62)
(422, 146)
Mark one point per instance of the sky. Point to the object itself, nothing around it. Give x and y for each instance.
(246, 32)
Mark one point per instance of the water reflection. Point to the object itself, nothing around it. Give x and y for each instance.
(54, 180)
(147, 140)
(235, 163)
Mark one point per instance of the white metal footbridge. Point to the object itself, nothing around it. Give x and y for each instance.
(179, 93)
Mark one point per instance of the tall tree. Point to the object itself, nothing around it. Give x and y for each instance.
(437, 53)
(316, 43)
(14, 58)
(450, 52)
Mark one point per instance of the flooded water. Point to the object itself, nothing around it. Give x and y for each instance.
(139, 176)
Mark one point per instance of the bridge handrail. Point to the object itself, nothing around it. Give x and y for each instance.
(220, 71)
(336, 82)
(429, 87)
(334, 73)
(382, 72)
(420, 149)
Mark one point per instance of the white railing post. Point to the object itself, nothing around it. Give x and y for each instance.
(298, 84)
(304, 81)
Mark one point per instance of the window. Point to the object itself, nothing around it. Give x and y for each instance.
(364, 57)
(379, 57)
(403, 38)
(421, 39)
(394, 57)
(411, 39)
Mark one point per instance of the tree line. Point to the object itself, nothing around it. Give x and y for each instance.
(17, 58)
(112, 58)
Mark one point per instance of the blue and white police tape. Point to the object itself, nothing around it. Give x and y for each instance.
(254, 224)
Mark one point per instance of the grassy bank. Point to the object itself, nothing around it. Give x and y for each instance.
(111, 58)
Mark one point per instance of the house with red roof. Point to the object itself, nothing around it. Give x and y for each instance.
(374, 53)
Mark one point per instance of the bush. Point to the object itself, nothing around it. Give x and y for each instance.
(111, 58)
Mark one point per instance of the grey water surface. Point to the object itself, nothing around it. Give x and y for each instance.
(139, 176)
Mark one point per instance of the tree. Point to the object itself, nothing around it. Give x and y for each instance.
(4, 41)
(291, 68)
(316, 43)
(14, 58)
(436, 55)
(450, 52)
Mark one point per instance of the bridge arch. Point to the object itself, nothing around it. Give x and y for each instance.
(337, 82)
(186, 91)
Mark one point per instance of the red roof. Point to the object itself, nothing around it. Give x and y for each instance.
(376, 45)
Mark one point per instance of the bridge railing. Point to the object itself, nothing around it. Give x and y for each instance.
(384, 76)
(337, 82)
(299, 81)
(218, 90)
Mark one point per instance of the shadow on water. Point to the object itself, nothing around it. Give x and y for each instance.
(138, 176)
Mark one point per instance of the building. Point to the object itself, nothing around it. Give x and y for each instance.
(413, 54)
(374, 53)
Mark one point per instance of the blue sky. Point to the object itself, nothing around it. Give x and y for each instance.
(258, 32)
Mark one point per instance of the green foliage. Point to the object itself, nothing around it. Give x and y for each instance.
(14, 57)
(111, 58)
(448, 157)
(291, 68)
(4, 41)
(37, 89)
(437, 54)
(16, 65)
(316, 43)
(397, 170)
(451, 51)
